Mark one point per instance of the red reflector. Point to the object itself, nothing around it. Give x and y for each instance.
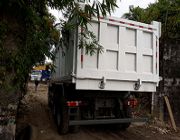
(150, 28)
(132, 103)
(131, 24)
(81, 57)
(112, 24)
(112, 20)
(122, 22)
(73, 103)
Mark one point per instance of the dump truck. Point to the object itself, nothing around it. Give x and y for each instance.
(96, 89)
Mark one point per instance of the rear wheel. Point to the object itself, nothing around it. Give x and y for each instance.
(54, 112)
(62, 118)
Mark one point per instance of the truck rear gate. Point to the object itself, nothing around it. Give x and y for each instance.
(130, 57)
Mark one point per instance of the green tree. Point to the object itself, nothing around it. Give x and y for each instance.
(136, 14)
(27, 32)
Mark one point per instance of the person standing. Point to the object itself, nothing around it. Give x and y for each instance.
(36, 84)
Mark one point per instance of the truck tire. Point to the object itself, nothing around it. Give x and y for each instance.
(62, 118)
(54, 112)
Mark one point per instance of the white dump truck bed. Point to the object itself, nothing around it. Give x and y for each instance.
(129, 61)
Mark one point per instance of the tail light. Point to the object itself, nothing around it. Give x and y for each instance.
(132, 102)
(73, 103)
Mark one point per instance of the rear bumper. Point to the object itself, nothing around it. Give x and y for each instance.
(107, 121)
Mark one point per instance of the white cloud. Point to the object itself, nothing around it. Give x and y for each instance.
(124, 6)
(56, 13)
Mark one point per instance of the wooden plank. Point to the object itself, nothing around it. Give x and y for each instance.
(170, 113)
(161, 108)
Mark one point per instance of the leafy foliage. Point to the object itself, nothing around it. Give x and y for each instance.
(80, 14)
(88, 40)
(165, 11)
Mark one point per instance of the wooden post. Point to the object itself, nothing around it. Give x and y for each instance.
(170, 113)
(161, 108)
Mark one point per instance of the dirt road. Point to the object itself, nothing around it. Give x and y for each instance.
(34, 111)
